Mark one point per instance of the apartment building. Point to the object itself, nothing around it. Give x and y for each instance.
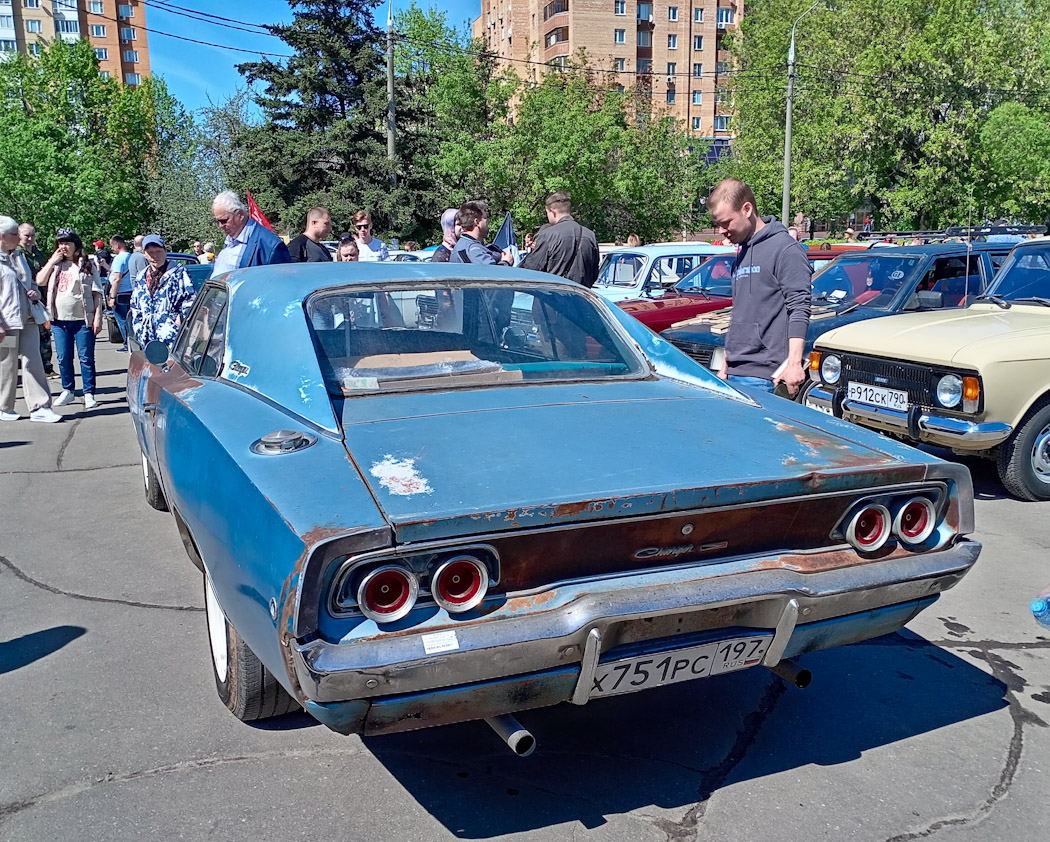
(671, 49)
(114, 28)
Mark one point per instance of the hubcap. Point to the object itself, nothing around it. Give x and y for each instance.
(1041, 455)
(220, 654)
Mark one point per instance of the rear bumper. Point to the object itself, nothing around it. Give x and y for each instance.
(916, 424)
(533, 651)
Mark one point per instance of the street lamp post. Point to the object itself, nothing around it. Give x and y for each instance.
(785, 206)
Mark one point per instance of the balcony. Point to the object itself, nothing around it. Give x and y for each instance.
(557, 7)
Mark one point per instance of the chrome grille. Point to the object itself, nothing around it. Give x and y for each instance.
(700, 353)
(918, 381)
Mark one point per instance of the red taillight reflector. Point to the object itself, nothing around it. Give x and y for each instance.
(387, 594)
(460, 583)
(869, 528)
(915, 520)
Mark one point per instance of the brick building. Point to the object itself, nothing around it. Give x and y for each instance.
(115, 28)
(671, 48)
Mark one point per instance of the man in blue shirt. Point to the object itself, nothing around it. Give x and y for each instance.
(120, 285)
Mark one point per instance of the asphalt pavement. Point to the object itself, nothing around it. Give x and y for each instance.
(112, 730)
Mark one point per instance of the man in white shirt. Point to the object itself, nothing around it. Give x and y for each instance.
(247, 243)
(370, 248)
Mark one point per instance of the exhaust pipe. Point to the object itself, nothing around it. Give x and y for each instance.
(521, 742)
(792, 673)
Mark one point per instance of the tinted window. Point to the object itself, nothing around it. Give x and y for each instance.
(397, 339)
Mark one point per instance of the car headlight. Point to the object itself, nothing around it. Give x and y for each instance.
(949, 390)
(831, 369)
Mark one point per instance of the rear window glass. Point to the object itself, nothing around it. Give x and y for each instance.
(400, 339)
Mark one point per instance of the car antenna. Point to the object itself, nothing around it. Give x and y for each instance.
(969, 244)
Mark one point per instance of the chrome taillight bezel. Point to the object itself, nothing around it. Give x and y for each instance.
(894, 500)
(856, 523)
(447, 568)
(900, 514)
(404, 606)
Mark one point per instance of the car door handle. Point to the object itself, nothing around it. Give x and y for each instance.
(149, 407)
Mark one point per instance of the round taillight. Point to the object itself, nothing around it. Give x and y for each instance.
(915, 520)
(869, 528)
(459, 583)
(387, 594)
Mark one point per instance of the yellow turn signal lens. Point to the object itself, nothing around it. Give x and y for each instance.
(971, 389)
(814, 360)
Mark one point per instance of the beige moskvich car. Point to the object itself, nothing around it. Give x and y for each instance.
(976, 380)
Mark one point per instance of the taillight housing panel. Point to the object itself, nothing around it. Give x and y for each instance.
(911, 518)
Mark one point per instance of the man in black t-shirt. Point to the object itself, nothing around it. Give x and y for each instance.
(307, 247)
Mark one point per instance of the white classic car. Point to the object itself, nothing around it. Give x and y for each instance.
(629, 273)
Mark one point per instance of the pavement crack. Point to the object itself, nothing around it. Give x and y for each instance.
(65, 443)
(74, 470)
(73, 789)
(36, 583)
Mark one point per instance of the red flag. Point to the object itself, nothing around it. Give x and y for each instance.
(255, 213)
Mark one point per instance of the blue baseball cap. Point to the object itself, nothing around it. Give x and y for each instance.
(153, 240)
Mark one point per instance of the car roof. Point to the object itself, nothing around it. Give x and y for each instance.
(934, 248)
(661, 249)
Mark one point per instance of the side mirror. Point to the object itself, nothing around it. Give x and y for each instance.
(930, 300)
(156, 352)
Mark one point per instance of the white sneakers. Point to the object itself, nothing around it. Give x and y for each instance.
(89, 401)
(9, 416)
(63, 399)
(44, 415)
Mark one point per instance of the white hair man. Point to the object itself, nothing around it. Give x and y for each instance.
(247, 242)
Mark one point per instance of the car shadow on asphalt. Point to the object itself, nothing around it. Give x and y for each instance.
(104, 408)
(672, 747)
(985, 475)
(24, 650)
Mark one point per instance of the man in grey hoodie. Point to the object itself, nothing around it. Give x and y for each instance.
(771, 293)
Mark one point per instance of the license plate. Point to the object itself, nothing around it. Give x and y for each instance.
(633, 674)
(718, 356)
(877, 395)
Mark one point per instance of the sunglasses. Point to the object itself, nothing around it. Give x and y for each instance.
(222, 221)
(363, 226)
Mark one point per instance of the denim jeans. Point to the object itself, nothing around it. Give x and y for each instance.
(121, 306)
(759, 383)
(68, 334)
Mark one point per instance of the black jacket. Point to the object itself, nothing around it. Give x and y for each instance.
(565, 248)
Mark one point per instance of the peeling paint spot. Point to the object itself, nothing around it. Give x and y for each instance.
(400, 477)
(304, 384)
(256, 304)
(291, 308)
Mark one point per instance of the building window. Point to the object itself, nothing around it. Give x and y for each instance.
(620, 7)
(618, 64)
(31, 4)
(68, 27)
(558, 63)
(645, 38)
(670, 96)
(103, 74)
(98, 30)
(34, 48)
(135, 78)
(645, 11)
(672, 42)
(556, 36)
(127, 33)
(619, 36)
(645, 66)
(102, 53)
(131, 55)
(8, 46)
(128, 12)
(698, 71)
(698, 15)
(721, 95)
(721, 123)
(698, 97)
(550, 10)
(671, 68)
(696, 124)
(8, 22)
(721, 67)
(95, 7)
(726, 16)
(64, 6)
(672, 13)
(698, 42)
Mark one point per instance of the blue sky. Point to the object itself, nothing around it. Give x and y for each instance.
(196, 73)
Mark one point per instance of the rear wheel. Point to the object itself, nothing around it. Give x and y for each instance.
(245, 686)
(154, 495)
(1024, 459)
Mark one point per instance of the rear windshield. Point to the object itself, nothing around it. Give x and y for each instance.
(400, 339)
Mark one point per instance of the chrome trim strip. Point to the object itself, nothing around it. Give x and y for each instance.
(592, 651)
(782, 636)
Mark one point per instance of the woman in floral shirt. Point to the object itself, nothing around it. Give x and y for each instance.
(74, 297)
(161, 295)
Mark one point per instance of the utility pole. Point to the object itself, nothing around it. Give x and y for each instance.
(391, 129)
(785, 205)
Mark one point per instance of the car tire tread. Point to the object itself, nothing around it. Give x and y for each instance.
(154, 494)
(1014, 457)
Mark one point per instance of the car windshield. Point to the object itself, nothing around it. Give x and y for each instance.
(1026, 274)
(713, 276)
(871, 280)
(620, 269)
(413, 338)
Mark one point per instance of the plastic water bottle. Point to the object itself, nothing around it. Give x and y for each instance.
(1041, 608)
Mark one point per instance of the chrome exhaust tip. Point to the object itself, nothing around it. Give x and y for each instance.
(513, 733)
(792, 673)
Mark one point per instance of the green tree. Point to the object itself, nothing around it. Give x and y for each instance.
(1015, 142)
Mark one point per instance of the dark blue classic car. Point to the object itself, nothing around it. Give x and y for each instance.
(866, 285)
(422, 494)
